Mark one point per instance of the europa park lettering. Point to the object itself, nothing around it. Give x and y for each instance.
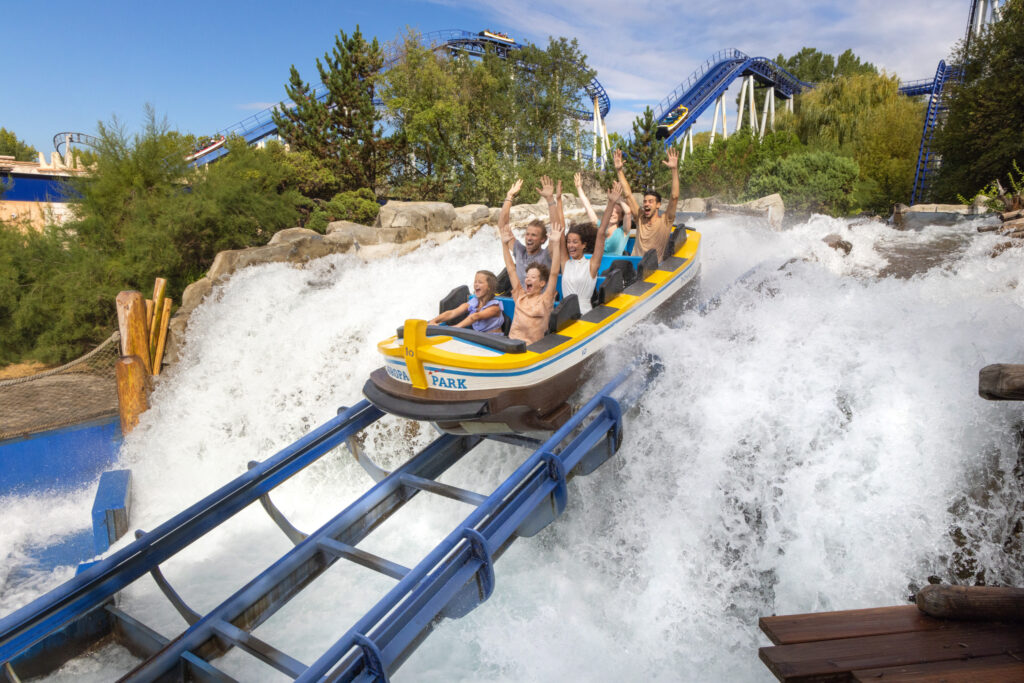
(447, 382)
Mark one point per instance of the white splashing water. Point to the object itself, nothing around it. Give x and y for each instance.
(813, 443)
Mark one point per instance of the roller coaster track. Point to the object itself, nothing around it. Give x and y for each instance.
(261, 125)
(452, 579)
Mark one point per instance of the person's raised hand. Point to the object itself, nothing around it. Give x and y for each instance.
(547, 188)
(673, 158)
(578, 179)
(514, 190)
(615, 194)
(617, 159)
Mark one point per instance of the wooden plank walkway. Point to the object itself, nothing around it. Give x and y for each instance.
(891, 644)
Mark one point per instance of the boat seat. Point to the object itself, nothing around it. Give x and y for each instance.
(504, 283)
(454, 299)
(564, 314)
(506, 323)
(675, 241)
(648, 264)
(628, 271)
(610, 288)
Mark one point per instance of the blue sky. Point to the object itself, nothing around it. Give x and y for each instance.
(207, 65)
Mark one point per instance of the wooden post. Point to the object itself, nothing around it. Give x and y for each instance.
(998, 603)
(132, 390)
(159, 292)
(1001, 382)
(165, 320)
(131, 321)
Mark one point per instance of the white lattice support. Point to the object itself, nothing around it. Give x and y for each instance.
(597, 138)
(725, 124)
(753, 109)
(789, 105)
(714, 121)
(769, 97)
(743, 100)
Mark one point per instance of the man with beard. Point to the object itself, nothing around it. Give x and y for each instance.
(652, 228)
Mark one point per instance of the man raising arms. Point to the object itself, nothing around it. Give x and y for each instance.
(652, 228)
(534, 250)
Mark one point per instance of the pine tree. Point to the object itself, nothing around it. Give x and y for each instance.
(644, 152)
(338, 122)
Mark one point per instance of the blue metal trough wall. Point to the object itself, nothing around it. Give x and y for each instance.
(60, 459)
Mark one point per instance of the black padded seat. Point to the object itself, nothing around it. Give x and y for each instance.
(547, 342)
(564, 314)
(454, 299)
(598, 313)
(627, 268)
(611, 287)
(675, 241)
(639, 288)
(648, 264)
(506, 323)
(504, 283)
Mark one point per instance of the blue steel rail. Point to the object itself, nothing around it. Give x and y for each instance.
(714, 76)
(261, 124)
(449, 582)
(927, 160)
(90, 589)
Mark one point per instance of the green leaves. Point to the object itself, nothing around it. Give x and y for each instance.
(10, 145)
(984, 129)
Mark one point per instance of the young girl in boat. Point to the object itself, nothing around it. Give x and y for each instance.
(535, 296)
(617, 232)
(579, 274)
(484, 311)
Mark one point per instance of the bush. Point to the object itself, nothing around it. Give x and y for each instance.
(819, 182)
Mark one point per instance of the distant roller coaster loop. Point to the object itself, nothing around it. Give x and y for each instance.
(60, 140)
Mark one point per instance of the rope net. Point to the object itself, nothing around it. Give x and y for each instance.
(84, 389)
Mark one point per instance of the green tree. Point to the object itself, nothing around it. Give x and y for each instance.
(817, 181)
(982, 135)
(339, 124)
(814, 66)
(10, 145)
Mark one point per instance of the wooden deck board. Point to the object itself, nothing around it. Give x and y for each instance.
(996, 669)
(803, 628)
(834, 659)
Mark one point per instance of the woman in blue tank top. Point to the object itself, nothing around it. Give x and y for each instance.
(617, 233)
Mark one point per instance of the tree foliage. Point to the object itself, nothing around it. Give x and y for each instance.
(467, 127)
(818, 181)
(143, 213)
(984, 129)
(339, 123)
(11, 145)
(814, 66)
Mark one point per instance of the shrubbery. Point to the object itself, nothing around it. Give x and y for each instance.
(819, 182)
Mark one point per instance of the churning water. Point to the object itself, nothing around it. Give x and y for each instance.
(816, 442)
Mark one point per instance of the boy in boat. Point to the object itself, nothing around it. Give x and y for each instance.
(484, 311)
(535, 293)
(652, 228)
(534, 250)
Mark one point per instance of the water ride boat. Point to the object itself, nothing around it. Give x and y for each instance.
(469, 382)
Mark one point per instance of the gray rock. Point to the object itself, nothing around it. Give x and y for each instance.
(292, 235)
(838, 243)
(426, 216)
(471, 216)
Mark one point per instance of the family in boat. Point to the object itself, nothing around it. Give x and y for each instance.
(533, 269)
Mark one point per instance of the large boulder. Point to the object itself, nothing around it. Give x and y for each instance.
(416, 216)
(471, 216)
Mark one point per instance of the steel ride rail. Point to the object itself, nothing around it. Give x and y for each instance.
(90, 589)
(714, 76)
(927, 160)
(451, 580)
(261, 124)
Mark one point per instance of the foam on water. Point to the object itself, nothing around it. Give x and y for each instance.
(814, 442)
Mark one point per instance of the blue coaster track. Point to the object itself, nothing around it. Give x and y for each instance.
(261, 125)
